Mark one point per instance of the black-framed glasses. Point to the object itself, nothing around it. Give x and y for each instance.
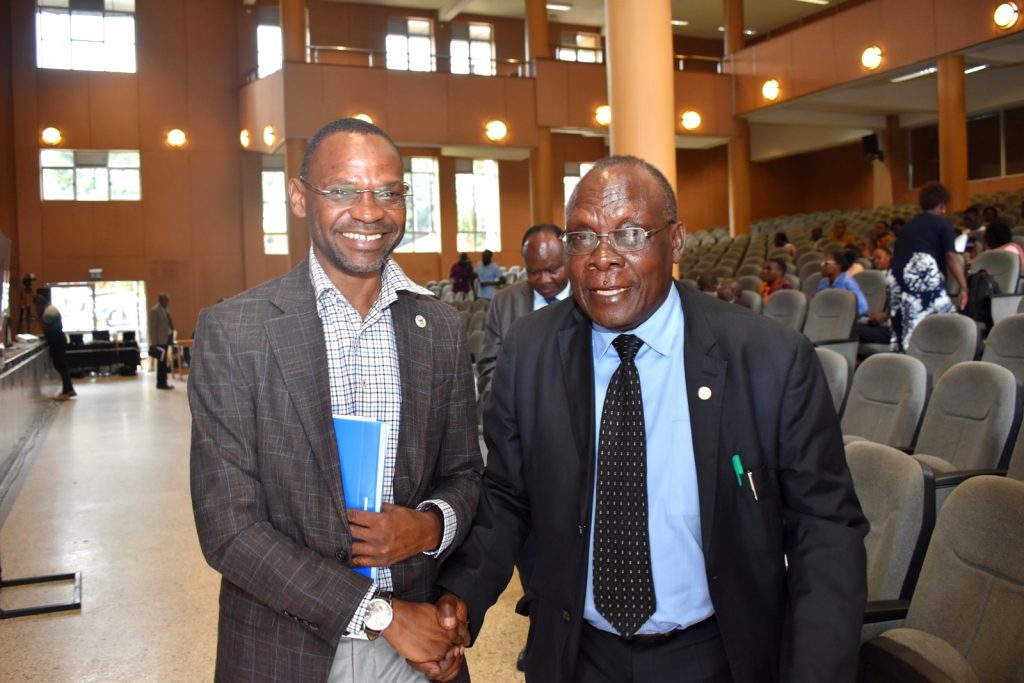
(347, 195)
(621, 240)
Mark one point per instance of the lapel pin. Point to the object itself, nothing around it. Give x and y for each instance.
(421, 321)
(704, 393)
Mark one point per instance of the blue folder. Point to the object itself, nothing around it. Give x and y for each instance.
(362, 444)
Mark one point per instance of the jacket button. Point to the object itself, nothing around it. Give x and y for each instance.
(341, 556)
(566, 617)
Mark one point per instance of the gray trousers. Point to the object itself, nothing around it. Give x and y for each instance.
(366, 661)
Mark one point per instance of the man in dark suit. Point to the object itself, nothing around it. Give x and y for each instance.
(546, 282)
(345, 333)
(161, 338)
(720, 541)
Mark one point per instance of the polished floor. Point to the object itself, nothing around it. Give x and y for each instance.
(107, 495)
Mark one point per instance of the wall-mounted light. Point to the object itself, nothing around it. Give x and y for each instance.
(771, 90)
(269, 136)
(176, 137)
(51, 136)
(871, 58)
(603, 115)
(243, 138)
(690, 120)
(1006, 15)
(496, 130)
(363, 117)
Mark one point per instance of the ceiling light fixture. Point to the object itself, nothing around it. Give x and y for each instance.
(176, 137)
(496, 130)
(269, 136)
(975, 69)
(1006, 15)
(771, 90)
(603, 115)
(680, 22)
(749, 32)
(814, 2)
(914, 74)
(243, 137)
(690, 120)
(558, 7)
(51, 136)
(871, 58)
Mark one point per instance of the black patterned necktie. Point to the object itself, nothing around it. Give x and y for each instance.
(623, 587)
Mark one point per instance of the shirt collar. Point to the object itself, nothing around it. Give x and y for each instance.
(538, 300)
(660, 332)
(392, 280)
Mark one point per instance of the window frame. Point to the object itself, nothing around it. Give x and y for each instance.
(59, 53)
(85, 174)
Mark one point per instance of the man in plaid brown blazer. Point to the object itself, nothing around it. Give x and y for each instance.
(345, 332)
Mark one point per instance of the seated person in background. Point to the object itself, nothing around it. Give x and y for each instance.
(773, 278)
(894, 227)
(866, 246)
(816, 233)
(731, 291)
(834, 276)
(882, 234)
(840, 235)
(707, 282)
(853, 254)
(881, 258)
(462, 275)
(988, 216)
(972, 218)
(781, 241)
(999, 237)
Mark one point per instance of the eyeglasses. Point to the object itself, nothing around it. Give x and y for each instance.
(621, 240)
(346, 195)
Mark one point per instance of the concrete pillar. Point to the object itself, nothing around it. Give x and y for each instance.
(953, 130)
(734, 36)
(293, 30)
(298, 234)
(739, 179)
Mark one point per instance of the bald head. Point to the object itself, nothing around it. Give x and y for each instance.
(544, 255)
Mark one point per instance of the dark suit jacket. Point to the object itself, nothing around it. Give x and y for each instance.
(770, 403)
(508, 305)
(266, 484)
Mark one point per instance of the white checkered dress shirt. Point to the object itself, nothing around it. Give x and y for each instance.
(363, 365)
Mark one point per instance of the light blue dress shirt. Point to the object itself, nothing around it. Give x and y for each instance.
(844, 281)
(538, 300)
(677, 560)
(488, 273)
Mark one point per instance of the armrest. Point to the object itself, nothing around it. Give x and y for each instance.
(885, 661)
(954, 479)
(885, 610)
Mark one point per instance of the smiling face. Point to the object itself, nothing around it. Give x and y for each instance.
(619, 291)
(351, 241)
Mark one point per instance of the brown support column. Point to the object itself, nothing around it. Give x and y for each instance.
(638, 40)
(541, 172)
(293, 30)
(298, 234)
(953, 130)
(734, 37)
(739, 179)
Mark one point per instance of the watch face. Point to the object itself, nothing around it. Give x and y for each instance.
(378, 615)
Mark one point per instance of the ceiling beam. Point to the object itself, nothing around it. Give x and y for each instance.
(450, 10)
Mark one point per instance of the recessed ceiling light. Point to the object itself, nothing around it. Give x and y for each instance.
(974, 69)
(1006, 15)
(721, 29)
(558, 7)
(680, 22)
(749, 32)
(814, 2)
(914, 74)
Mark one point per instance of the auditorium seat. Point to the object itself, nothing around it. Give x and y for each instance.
(1005, 345)
(872, 283)
(966, 616)
(809, 284)
(837, 374)
(1004, 266)
(750, 282)
(943, 340)
(788, 306)
(886, 400)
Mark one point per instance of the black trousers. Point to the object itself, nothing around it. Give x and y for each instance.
(694, 655)
(161, 366)
(58, 347)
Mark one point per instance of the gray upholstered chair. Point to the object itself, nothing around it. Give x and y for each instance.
(477, 321)
(897, 496)
(837, 374)
(1015, 470)
(941, 341)
(752, 300)
(973, 410)
(476, 343)
(1004, 266)
(750, 282)
(1005, 345)
(872, 283)
(788, 306)
(886, 400)
(809, 284)
(966, 617)
(830, 315)
(749, 269)
(809, 264)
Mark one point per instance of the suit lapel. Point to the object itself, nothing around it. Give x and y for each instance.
(411, 341)
(705, 372)
(297, 340)
(576, 355)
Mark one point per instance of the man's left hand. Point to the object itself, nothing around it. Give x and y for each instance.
(394, 534)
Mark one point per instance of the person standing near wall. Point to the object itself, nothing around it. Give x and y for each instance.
(53, 331)
(161, 336)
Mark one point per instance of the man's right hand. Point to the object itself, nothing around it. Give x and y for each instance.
(452, 617)
(416, 634)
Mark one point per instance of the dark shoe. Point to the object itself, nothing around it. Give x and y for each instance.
(521, 660)
(164, 386)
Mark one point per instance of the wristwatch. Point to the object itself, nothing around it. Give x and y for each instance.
(378, 614)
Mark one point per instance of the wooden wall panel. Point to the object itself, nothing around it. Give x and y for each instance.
(55, 90)
(702, 187)
(113, 111)
(912, 45)
(813, 58)
(861, 27)
(119, 232)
